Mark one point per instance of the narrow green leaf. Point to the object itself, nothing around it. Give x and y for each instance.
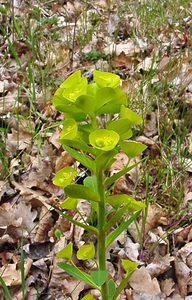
(64, 176)
(66, 252)
(104, 139)
(81, 192)
(111, 289)
(132, 149)
(86, 251)
(105, 160)
(77, 144)
(99, 277)
(115, 218)
(85, 161)
(109, 181)
(89, 228)
(5, 288)
(131, 115)
(124, 225)
(87, 297)
(106, 79)
(77, 273)
(69, 203)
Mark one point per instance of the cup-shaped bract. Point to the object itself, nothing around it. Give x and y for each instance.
(69, 130)
(106, 79)
(64, 176)
(104, 139)
(86, 251)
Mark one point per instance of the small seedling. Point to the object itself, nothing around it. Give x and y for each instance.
(93, 137)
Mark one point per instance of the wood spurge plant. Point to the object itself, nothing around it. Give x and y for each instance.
(93, 136)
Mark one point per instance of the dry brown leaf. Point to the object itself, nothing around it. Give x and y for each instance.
(150, 124)
(130, 250)
(182, 235)
(159, 265)
(144, 286)
(183, 268)
(167, 286)
(31, 195)
(44, 225)
(11, 275)
(85, 210)
(64, 160)
(155, 217)
(18, 140)
(19, 215)
(129, 48)
(147, 64)
(123, 61)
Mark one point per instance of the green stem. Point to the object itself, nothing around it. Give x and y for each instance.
(101, 229)
(93, 121)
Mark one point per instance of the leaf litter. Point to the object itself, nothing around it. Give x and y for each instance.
(32, 67)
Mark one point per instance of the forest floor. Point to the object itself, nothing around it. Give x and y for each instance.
(147, 43)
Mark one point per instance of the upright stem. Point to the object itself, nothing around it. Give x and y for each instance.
(101, 229)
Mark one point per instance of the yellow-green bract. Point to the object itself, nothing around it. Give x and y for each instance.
(64, 176)
(104, 139)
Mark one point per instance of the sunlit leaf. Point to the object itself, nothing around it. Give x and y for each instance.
(131, 115)
(131, 148)
(117, 200)
(135, 205)
(86, 251)
(86, 103)
(99, 277)
(64, 176)
(66, 252)
(106, 79)
(104, 139)
(103, 96)
(84, 160)
(71, 80)
(69, 130)
(114, 106)
(122, 127)
(82, 192)
(129, 265)
(69, 203)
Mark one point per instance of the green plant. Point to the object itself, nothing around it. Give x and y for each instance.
(93, 138)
